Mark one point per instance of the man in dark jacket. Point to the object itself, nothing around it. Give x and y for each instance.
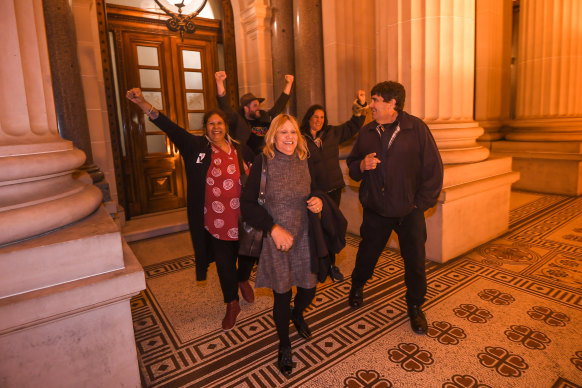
(250, 124)
(398, 162)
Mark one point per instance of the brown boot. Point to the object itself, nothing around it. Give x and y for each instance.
(232, 311)
(246, 291)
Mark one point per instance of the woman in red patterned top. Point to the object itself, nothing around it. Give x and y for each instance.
(214, 167)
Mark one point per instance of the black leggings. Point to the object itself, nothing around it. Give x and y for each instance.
(282, 310)
(226, 257)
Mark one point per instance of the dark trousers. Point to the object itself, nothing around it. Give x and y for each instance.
(411, 231)
(225, 254)
(282, 310)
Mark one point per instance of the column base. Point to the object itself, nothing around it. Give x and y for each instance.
(545, 167)
(473, 208)
(76, 332)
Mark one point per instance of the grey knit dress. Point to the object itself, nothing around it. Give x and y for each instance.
(286, 195)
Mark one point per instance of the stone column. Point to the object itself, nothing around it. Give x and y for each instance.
(429, 47)
(282, 48)
(546, 135)
(492, 67)
(64, 295)
(309, 78)
(67, 86)
(37, 187)
(349, 53)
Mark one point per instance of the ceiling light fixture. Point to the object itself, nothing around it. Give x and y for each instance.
(178, 22)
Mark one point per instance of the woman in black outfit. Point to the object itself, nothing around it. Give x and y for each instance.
(323, 141)
(214, 168)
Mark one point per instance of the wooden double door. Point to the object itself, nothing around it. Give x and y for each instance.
(177, 77)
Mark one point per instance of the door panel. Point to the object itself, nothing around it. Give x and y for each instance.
(175, 77)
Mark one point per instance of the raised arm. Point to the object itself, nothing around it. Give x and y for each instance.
(220, 76)
(288, 83)
(349, 129)
(135, 95)
(177, 135)
(223, 98)
(282, 100)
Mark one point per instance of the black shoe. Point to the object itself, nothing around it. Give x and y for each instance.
(335, 274)
(356, 298)
(417, 319)
(301, 325)
(285, 361)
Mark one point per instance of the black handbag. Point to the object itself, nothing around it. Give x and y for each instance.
(250, 240)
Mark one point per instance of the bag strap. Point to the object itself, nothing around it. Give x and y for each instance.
(261, 199)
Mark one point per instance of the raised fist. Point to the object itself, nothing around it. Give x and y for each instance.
(361, 96)
(220, 75)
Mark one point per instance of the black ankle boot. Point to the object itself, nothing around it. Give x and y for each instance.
(335, 274)
(300, 325)
(285, 361)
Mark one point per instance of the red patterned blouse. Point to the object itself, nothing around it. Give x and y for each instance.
(223, 188)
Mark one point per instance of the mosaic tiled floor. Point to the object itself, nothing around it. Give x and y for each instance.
(507, 314)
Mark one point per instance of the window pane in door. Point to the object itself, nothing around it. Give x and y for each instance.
(149, 126)
(195, 101)
(193, 80)
(195, 121)
(149, 78)
(156, 144)
(191, 59)
(147, 56)
(154, 98)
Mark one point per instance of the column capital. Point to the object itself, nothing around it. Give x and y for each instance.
(256, 16)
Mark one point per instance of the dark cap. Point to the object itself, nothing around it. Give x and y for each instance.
(248, 98)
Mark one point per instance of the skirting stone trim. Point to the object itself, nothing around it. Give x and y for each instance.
(545, 167)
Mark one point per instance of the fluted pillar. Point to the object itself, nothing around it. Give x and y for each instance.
(492, 67)
(67, 85)
(38, 192)
(429, 47)
(308, 36)
(349, 32)
(282, 47)
(549, 72)
(546, 136)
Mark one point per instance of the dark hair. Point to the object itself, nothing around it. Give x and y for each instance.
(310, 112)
(214, 111)
(390, 90)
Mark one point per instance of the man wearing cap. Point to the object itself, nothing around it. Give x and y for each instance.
(251, 123)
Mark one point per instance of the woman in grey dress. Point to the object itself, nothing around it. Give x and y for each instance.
(285, 257)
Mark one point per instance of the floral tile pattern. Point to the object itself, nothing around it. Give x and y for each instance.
(507, 314)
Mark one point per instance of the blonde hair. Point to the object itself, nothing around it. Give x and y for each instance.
(269, 150)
